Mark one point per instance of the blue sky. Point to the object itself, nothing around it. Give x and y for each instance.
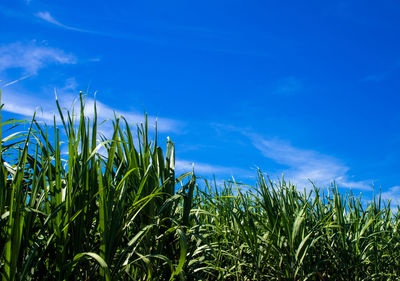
(308, 89)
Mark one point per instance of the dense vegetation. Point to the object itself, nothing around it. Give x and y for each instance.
(113, 209)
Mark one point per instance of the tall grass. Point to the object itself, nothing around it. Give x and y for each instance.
(113, 209)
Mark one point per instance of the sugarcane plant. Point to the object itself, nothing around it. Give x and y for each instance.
(79, 204)
(102, 209)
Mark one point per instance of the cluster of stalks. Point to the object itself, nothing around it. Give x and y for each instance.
(75, 205)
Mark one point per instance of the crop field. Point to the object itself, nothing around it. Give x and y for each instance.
(76, 205)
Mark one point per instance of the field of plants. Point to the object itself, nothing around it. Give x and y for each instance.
(75, 205)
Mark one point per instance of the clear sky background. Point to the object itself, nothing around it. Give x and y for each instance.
(308, 89)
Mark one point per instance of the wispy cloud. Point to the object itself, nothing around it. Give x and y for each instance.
(31, 57)
(304, 164)
(392, 194)
(144, 37)
(27, 103)
(209, 169)
(106, 112)
(70, 84)
(46, 16)
(26, 110)
(49, 18)
(299, 165)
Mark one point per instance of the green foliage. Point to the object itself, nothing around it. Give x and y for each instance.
(113, 209)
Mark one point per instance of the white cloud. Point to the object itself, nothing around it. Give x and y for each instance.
(26, 104)
(46, 16)
(106, 112)
(70, 84)
(303, 164)
(392, 194)
(32, 56)
(26, 110)
(145, 37)
(216, 174)
(208, 169)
